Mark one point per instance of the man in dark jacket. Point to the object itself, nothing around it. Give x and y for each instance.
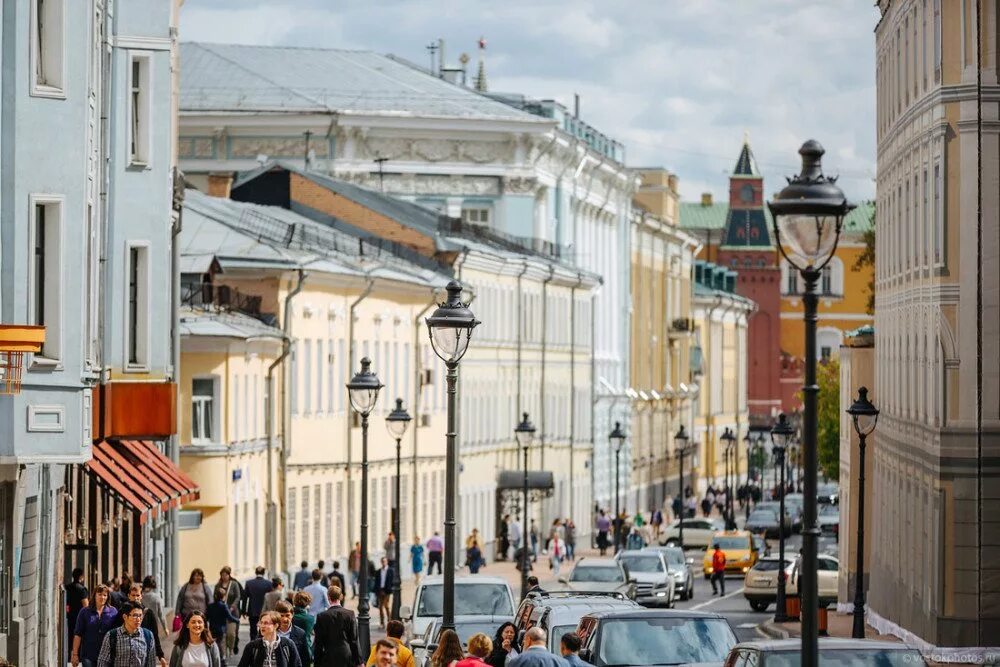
(254, 591)
(336, 642)
(336, 577)
(293, 633)
(383, 591)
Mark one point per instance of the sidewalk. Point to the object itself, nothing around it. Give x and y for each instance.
(838, 625)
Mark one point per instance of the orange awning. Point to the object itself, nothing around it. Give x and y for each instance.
(141, 477)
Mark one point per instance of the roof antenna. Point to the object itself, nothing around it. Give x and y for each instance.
(481, 75)
(381, 176)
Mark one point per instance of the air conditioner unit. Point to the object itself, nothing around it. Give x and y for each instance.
(427, 377)
(425, 419)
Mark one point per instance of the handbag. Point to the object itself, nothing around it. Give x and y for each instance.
(178, 622)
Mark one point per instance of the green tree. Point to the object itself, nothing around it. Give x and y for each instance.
(867, 260)
(828, 417)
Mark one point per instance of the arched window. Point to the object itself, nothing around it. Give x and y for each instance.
(831, 282)
(828, 343)
(789, 279)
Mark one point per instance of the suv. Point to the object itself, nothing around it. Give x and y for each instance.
(600, 575)
(679, 566)
(654, 582)
(474, 596)
(559, 612)
(697, 533)
(760, 586)
(654, 637)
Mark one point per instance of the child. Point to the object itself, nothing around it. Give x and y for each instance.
(219, 614)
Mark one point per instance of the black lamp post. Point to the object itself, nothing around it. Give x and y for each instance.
(864, 415)
(680, 445)
(748, 441)
(525, 434)
(363, 391)
(450, 329)
(397, 422)
(729, 439)
(808, 215)
(780, 434)
(617, 439)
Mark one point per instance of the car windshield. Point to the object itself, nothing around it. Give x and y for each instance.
(675, 557)
(838, 657)
(470, 599)
(642, 563)
(663, 641)
(763, 515)
(603, 575)
(731, 542)
(829, 510)
(555, 635)
(767, 566)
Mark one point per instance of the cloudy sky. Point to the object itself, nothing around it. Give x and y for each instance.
(679, 82)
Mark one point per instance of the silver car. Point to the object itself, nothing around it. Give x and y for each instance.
(654, 584)
(680, 568)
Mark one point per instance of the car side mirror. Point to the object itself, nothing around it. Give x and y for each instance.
(405, 612)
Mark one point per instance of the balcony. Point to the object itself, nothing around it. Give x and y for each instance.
(17, 341)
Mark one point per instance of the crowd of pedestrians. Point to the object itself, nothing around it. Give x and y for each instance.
(500, 651)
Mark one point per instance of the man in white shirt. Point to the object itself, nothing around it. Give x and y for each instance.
(315, 589)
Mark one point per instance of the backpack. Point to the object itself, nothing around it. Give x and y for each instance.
(147, 636)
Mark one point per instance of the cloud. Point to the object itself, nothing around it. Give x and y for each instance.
(679, 82)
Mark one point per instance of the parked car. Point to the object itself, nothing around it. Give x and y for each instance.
(832, 651)
(474, 596)
(697, 533)
(794, 503)
(680, 567)
(739, 548)
(760, 585)
(827, 568)
(601, 575)
(466, 626)
(560, 612)
(828, 494)
(654, 583)
(765, 522)
(792, 517)
(828, 518)
(654, 637)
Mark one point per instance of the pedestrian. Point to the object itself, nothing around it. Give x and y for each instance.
(533, 586)
(435, 551)
(634, 542)
(416, 559)
(193, 596)
(533, 536)
(718, 569)
(254, 591)
(638, 520)
(195, 646)
(130, 645)
(480, 646)
(390, 549)
(535, 653)
(321, 566)
(603, 526)
(148, 620)
(383, 591)
(449, 650)
(503, 645)
(275, 595)
(691, 506)
(394, 633)
(336, 634)
(354, 567)
(336, 577)
(569, 647)
(292, 633)
(504, 546)
(656, 520)
(557, 551)
(268, 649)
(92, 623)
(516, 534)
(303, 577)
(569, 528)
(152, 601)
(385, 653)
(77, 597)
(220, 616)
(474, 558)
(318, 594)
(302, 619)
(234, 600)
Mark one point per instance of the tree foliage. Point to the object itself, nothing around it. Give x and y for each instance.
(828, 417)
(867, 260)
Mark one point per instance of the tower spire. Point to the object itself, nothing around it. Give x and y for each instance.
(481, 74)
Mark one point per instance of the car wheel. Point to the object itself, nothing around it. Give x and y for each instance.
(690, 593)
(759, 605)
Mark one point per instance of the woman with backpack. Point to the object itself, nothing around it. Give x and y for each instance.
(194, 646)
(269, 649)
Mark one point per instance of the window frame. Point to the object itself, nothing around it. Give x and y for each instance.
(214, 409)
(139, 110)
(143, 308)
(53, 66)
(480, 211)
(52, 318)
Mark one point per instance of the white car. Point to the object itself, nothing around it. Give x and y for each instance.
(474, 596)
(826, 578)
(697, 533)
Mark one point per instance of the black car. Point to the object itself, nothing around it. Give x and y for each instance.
(833, 651)
(654, 637)
(765, 522)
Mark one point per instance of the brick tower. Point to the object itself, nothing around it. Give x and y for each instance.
(747, 248)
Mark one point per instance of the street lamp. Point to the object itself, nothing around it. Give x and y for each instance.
(525, 434)
(729, 439)
(363, 392)
(780, 435)
(396, 423)
(450, 330)
(808, 215)
(748, 441)
(680, 445)
(617, 440)
(864, 415)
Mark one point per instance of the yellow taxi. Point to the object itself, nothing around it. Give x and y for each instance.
(738, 546)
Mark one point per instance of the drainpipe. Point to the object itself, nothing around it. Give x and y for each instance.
(572, 390)
(347, 421)
(276, 510)
(520, 335)
(173, 443)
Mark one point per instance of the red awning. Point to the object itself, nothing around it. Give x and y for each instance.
(142, 477)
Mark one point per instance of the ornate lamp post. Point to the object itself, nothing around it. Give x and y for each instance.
(780, 435)
(617, 439)
(748, 441)
(808, 215)
(729, 440)
(680, 445)
(525, 434)
(363, 391)
(450, 329)
(397, 422)
(864, 415)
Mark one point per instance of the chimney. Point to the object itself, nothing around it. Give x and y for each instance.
(220, 184)
(706, 198)
(441, 60)
(576, 105)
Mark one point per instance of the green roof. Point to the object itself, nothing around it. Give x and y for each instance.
(698, 217)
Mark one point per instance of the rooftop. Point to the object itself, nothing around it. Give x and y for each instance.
(698, 216)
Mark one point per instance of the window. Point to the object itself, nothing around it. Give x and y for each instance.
(235, 408)
(825, 353)
(47, 48)
(937, 41)
(317, 519)
(203, 392)
(139, 109)
(137, 334)
(938, 216)
(746, 193)
(307, 378)
(45, 273)
(305, 522)
(791, 280)
(293, 391)
(290, 554)
(476, 216)
(826, 280)
(330, 525)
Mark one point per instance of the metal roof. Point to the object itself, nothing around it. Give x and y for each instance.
(224, 324)
(695, 215)
(239, 78)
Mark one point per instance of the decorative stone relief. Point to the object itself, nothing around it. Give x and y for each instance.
(421, 184)
(391, 149)
(433, 150)
(294, 147)
(519, 185)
